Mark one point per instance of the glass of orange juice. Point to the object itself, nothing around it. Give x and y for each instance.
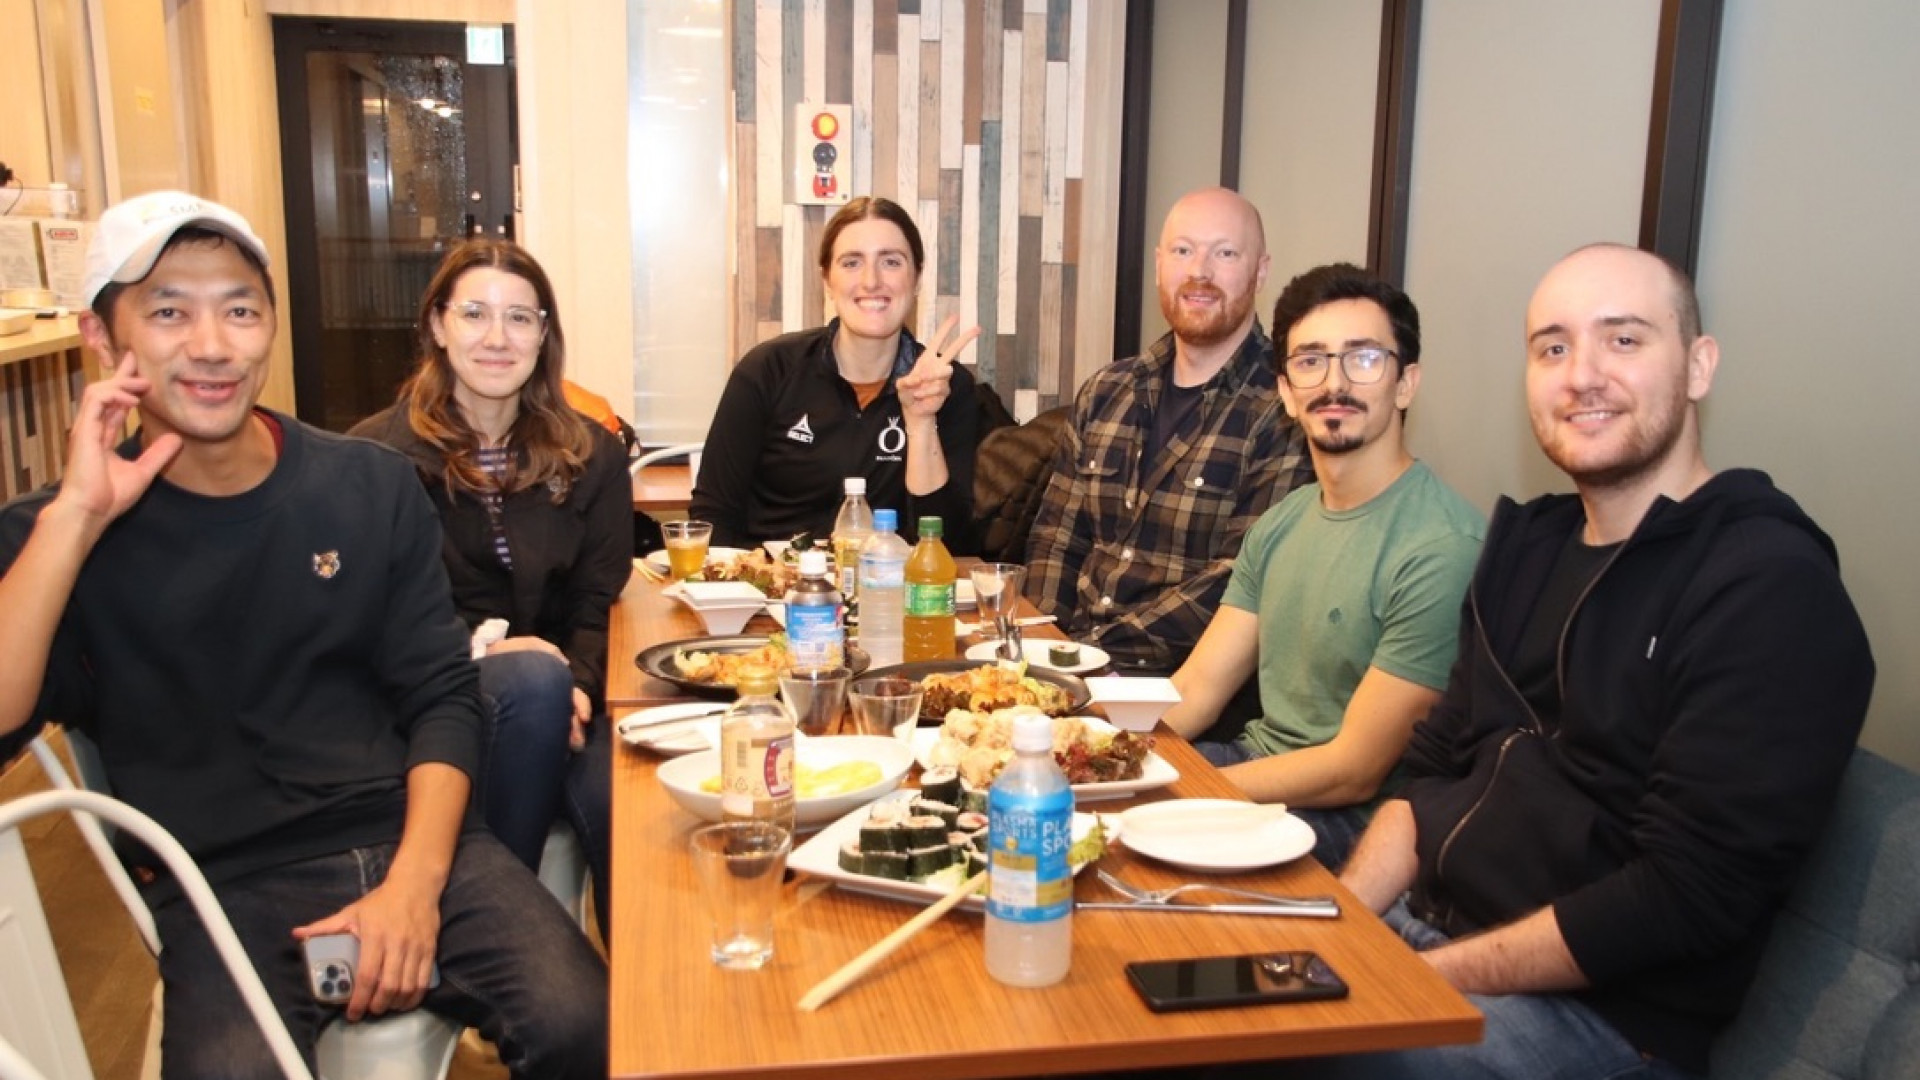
(687, 546)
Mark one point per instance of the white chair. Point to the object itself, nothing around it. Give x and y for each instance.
(690, 451)
(413, 1045)
(34, 1007)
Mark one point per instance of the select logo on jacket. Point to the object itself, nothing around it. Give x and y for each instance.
(801, 432)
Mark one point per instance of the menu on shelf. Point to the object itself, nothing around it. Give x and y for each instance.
(63, 245)
(19, 254)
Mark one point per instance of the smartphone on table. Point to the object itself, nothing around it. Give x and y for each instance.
(1211, 982)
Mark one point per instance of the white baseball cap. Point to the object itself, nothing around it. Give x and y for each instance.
(129, 236)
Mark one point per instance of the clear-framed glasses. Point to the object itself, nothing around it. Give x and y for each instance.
(521, 324)
(1363, 364)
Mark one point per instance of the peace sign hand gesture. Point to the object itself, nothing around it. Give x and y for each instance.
(924, 389)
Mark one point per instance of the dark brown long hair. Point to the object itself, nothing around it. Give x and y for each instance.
(550, 440)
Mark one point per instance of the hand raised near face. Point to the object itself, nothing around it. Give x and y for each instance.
(924, 389)
(96, 480)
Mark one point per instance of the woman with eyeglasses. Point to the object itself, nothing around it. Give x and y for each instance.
(537, 510)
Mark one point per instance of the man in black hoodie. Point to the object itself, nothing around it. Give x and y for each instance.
(1659, 684)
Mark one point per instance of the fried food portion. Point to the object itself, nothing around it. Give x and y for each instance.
(725, 668)
(988, 688)
(980, 744)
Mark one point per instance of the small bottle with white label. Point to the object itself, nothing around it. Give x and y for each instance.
(756, 754)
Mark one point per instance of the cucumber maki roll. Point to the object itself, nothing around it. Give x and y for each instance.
(946, 812)
(972, 798)
(891, 865)
(852, 859)
(882, 836)
(927, 861)
(925, 831)
(941, 784)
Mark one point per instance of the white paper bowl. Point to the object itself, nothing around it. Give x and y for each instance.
(722, 620)
(1133, 703)
(15, 321)
(683, 776)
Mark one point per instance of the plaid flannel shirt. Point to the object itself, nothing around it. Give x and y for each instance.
(1132, 545)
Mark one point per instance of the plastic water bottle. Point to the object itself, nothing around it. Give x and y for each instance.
(928, 626)
(1029, 881)
(851, 527)
(756, 754)
(883, 590)
(815, 635)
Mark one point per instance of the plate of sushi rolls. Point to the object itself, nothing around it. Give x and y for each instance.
(917, 844)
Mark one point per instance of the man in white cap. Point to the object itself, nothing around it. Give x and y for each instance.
(251, 619)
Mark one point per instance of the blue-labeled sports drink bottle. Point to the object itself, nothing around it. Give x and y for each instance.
(1029, 881)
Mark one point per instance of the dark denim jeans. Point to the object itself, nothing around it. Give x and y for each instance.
(1335, 830)
(527, 757)
(588, 803)
(1528, 1037)
(511, 965)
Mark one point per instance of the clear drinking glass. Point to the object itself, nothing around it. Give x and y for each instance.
(997, 587)
(886, 706)
(686, 546)
(740, 865)
(817, 697)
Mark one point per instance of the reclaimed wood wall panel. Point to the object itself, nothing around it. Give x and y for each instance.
(972, 114)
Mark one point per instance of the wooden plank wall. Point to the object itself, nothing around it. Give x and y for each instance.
(969, 113)
(37, 399)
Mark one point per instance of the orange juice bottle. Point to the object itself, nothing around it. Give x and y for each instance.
(928, 623)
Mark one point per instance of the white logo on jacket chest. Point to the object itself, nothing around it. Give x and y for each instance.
(893, 439)
(801, 432)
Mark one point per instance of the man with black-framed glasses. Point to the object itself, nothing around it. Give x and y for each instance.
(1345, 598)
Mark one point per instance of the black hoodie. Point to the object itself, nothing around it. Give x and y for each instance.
(1713, 680)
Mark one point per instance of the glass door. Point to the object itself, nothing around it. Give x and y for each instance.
(394, 148)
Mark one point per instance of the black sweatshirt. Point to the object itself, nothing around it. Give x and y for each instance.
(1713, 681)
(789, 431)
(261, 670)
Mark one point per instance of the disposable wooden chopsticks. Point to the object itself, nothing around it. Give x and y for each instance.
(828, 988)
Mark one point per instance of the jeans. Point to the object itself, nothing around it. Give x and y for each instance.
(511, 965)
(588, 803)
(1335, 829)
(1528, 1037)
(527, 757)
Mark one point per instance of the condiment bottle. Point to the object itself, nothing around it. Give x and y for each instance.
(928, 624)
(815, 636)
(756, 753)
(851, 527)
(1030, 882)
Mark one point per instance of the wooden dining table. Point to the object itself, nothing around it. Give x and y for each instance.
(930, 1010)
(665, 486)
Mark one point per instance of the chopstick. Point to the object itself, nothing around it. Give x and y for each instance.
(826, 989)
(647, 571)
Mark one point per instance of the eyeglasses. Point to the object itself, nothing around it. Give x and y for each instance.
(1364, 365)
(473, 318)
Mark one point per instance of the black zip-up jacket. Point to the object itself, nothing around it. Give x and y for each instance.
(789, 431)
(1713, 680)
(570, 560)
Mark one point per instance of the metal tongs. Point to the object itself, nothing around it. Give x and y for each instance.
(1008, 628)
(1254, 903)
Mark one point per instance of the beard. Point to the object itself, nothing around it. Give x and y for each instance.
(1341, 436)
(1642, 448)
(1205, 327)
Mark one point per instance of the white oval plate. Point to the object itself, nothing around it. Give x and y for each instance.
(1267, 843)
(1091, 658)
(657, 560)
(1155, 772)
(820, 857)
